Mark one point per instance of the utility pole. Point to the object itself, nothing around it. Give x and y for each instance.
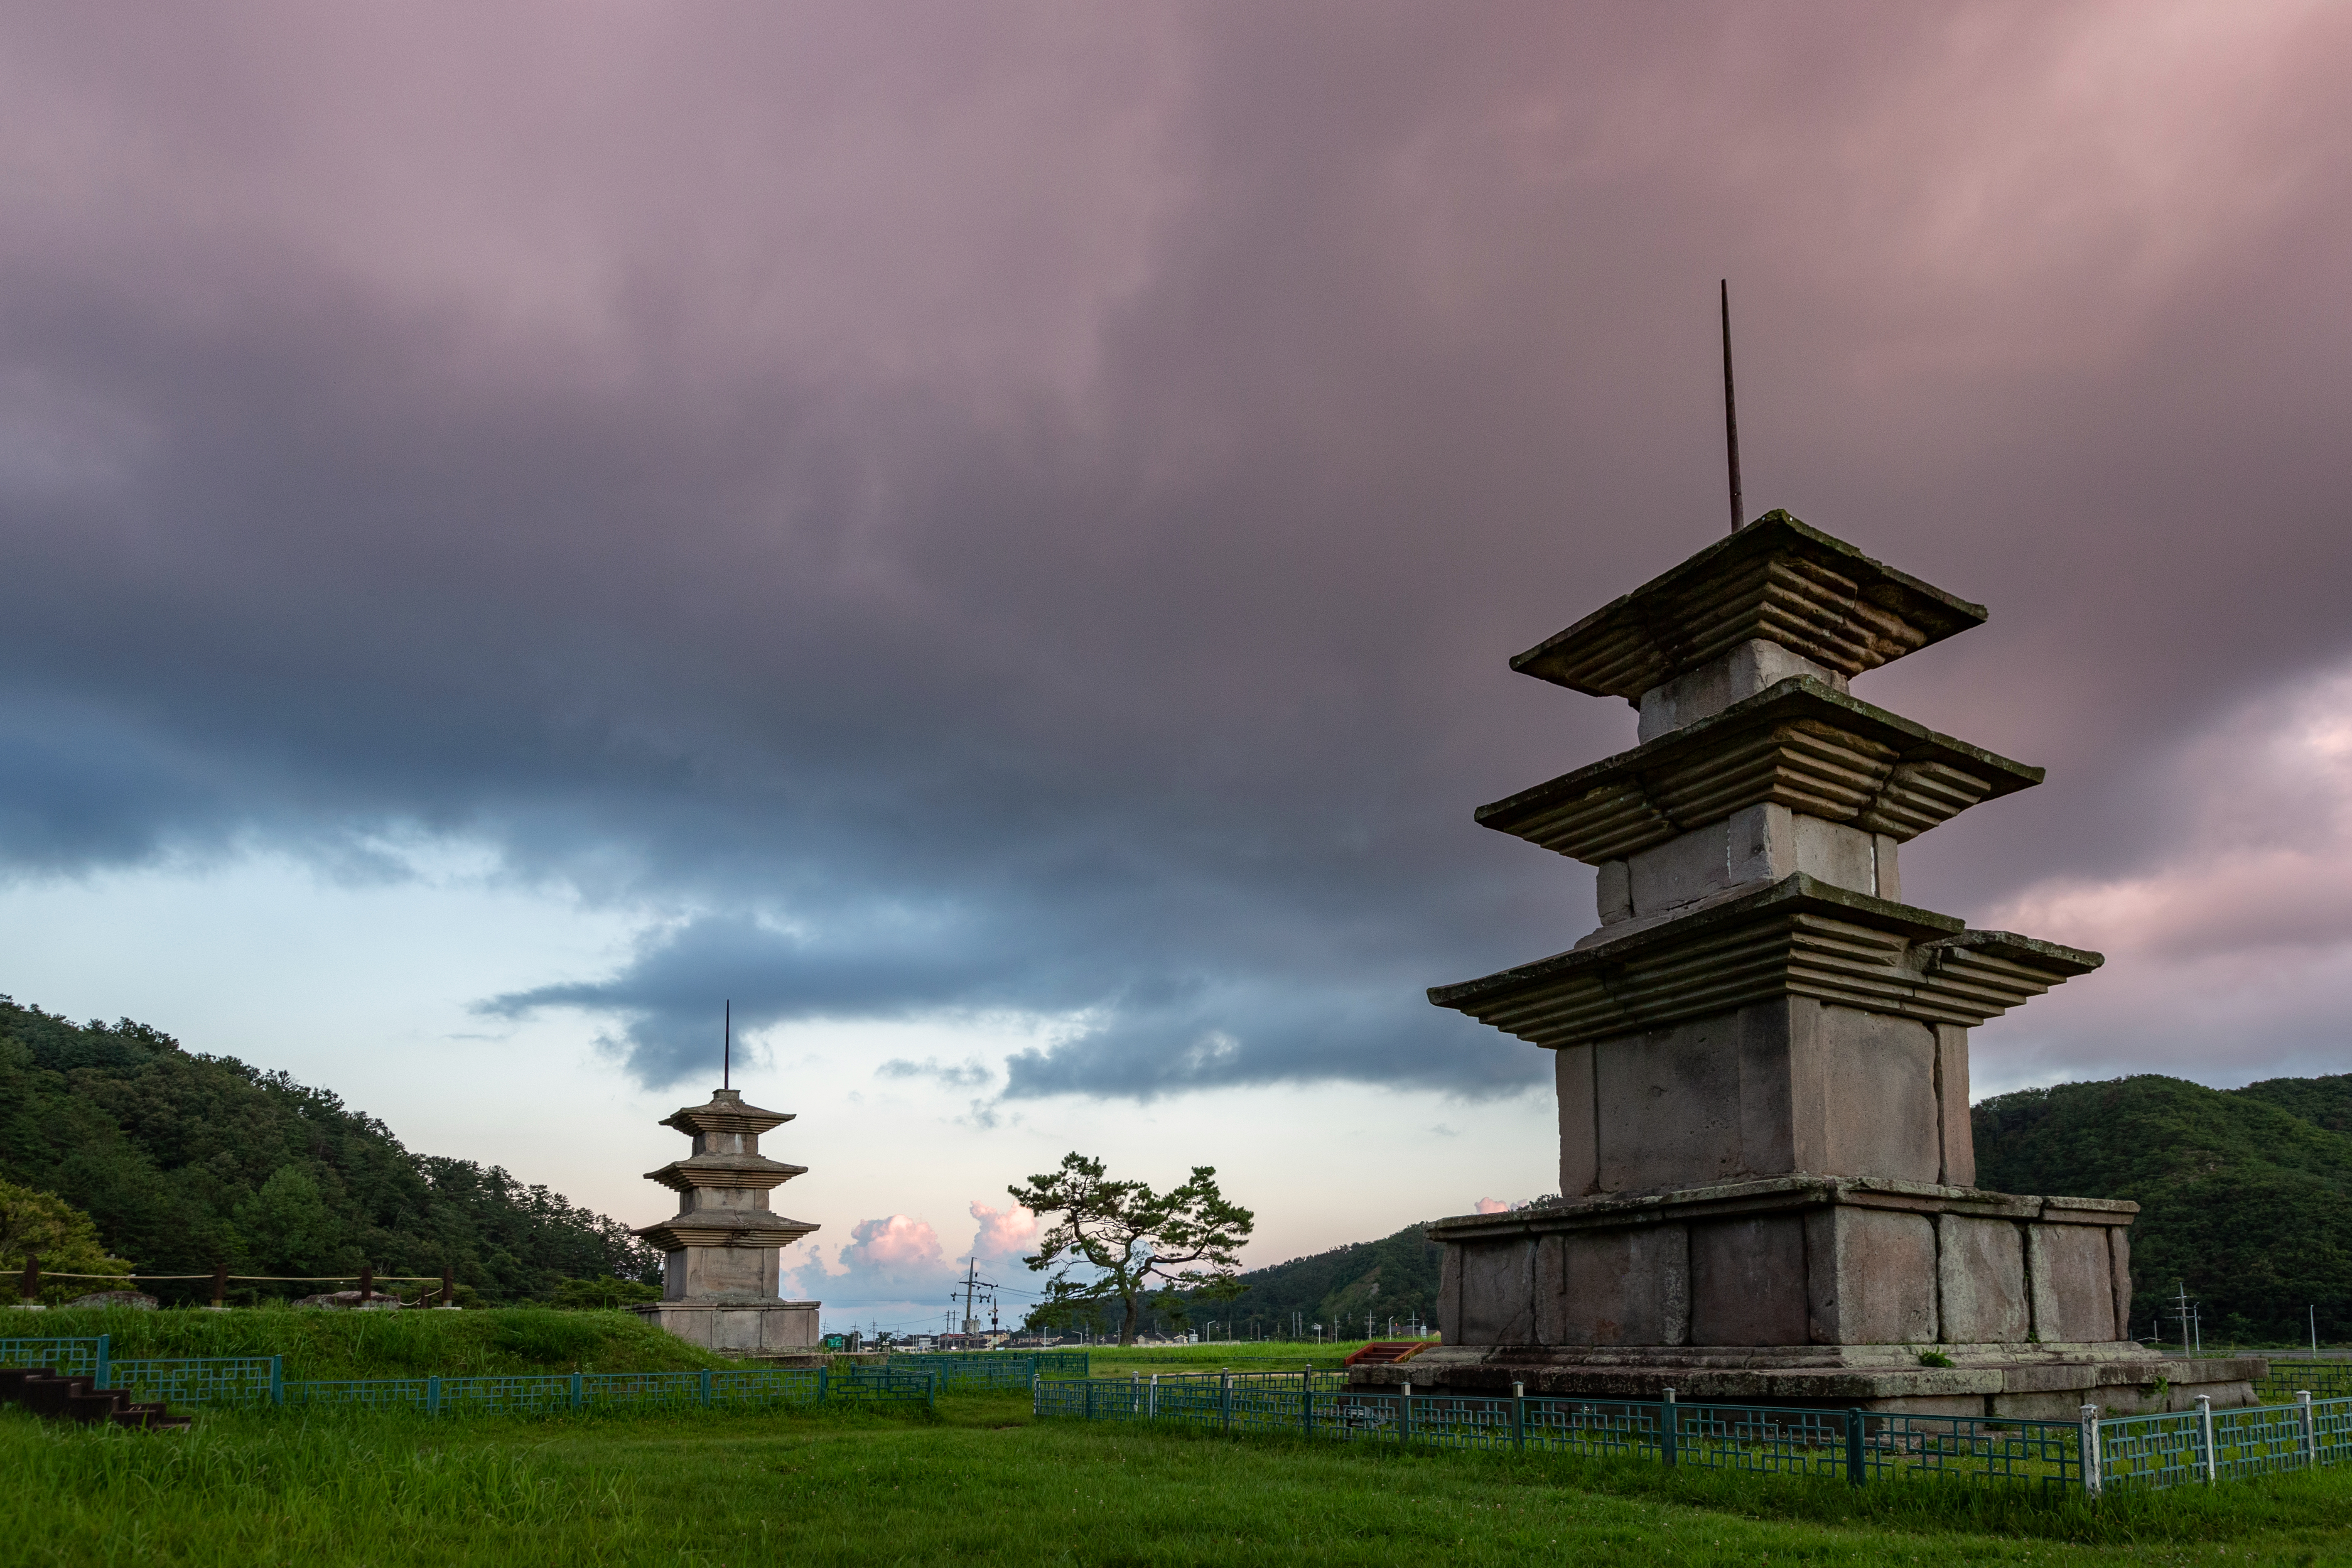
(972, 1285)
(2192, 1335)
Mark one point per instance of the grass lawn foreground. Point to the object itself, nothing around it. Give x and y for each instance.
(977, 1481)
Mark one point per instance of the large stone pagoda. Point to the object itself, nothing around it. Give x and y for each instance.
(1768, 1181)
(720, 1278)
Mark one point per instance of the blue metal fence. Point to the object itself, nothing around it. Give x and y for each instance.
(218, 1382)
(2320, 1379)
(997, 1369)
(254, 1382)
(65, 1357)
(1857, 1444)
(2204, 1446)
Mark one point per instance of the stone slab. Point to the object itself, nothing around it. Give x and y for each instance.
(1625, 1287)
(738, 1327)
(1980, 1278)
(2034, 1383)
(2067, 1276)
(1870, 1276)
(1747, 1282)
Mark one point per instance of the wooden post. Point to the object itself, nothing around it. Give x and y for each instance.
(30, 1287)
(220, 1285)
(367, 1283)
(448, 1288)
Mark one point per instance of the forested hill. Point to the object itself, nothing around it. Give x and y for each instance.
(2245, 1195)
(1395, 1276)
(186, 1161)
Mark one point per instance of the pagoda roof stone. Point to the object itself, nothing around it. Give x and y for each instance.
(1778, 580)
(1798, 743)
(725, 1112)
(754, 1171)
(726, 1227)
(1796, 937)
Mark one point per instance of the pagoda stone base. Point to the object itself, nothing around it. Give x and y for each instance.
(1807, 1289)
(738, 1327)
(2023, 1382)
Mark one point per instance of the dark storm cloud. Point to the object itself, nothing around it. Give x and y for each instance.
(960, 514)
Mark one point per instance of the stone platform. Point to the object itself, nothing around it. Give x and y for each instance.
(1808, 1289)
(738, 1327)
(2024, 1381)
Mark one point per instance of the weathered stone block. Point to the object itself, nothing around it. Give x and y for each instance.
(2119, 1277)
(1742, 672)
(1613, 893)
(1580, 1122)
(1669, 1106)
(1881, 1118)
(1755, 845)
(2068, 1270)
(1682, 870)
(1622, 1287)
(1497, 1293)
(1843, 856)
(1886, 868)
(1956, 1138)
(722, 1273)
(1747, 1282)
(777, 1327)
(1773, 1088)
(1871, 1277)
(1980, 1281)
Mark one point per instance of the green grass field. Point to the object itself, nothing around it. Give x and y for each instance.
(980, 1482)
(385, 1345)
(977, 1481)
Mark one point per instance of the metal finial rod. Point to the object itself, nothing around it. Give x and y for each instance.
(727, 1049)
(1730, 414)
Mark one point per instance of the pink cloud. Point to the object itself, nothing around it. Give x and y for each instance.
(1004, 1233)
(1492, 1205)
(2229, 953)
(893, 1247)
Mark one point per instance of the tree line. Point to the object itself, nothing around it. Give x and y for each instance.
(187, 1163)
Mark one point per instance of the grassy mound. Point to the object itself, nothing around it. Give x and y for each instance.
(326, 1343)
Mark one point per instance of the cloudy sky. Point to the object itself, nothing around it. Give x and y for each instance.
(990, 537)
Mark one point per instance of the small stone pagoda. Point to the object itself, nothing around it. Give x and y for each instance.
(1767, 1174)
(720, 1280)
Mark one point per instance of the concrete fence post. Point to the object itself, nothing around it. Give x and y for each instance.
(1151, 1400)
(1225, 1398)
(1666, 1433)
(1518, 1415)
(2095, 1480)
(1036, 1392)
(2310, 1427)
(1404, 1413)
(2205, 1438)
